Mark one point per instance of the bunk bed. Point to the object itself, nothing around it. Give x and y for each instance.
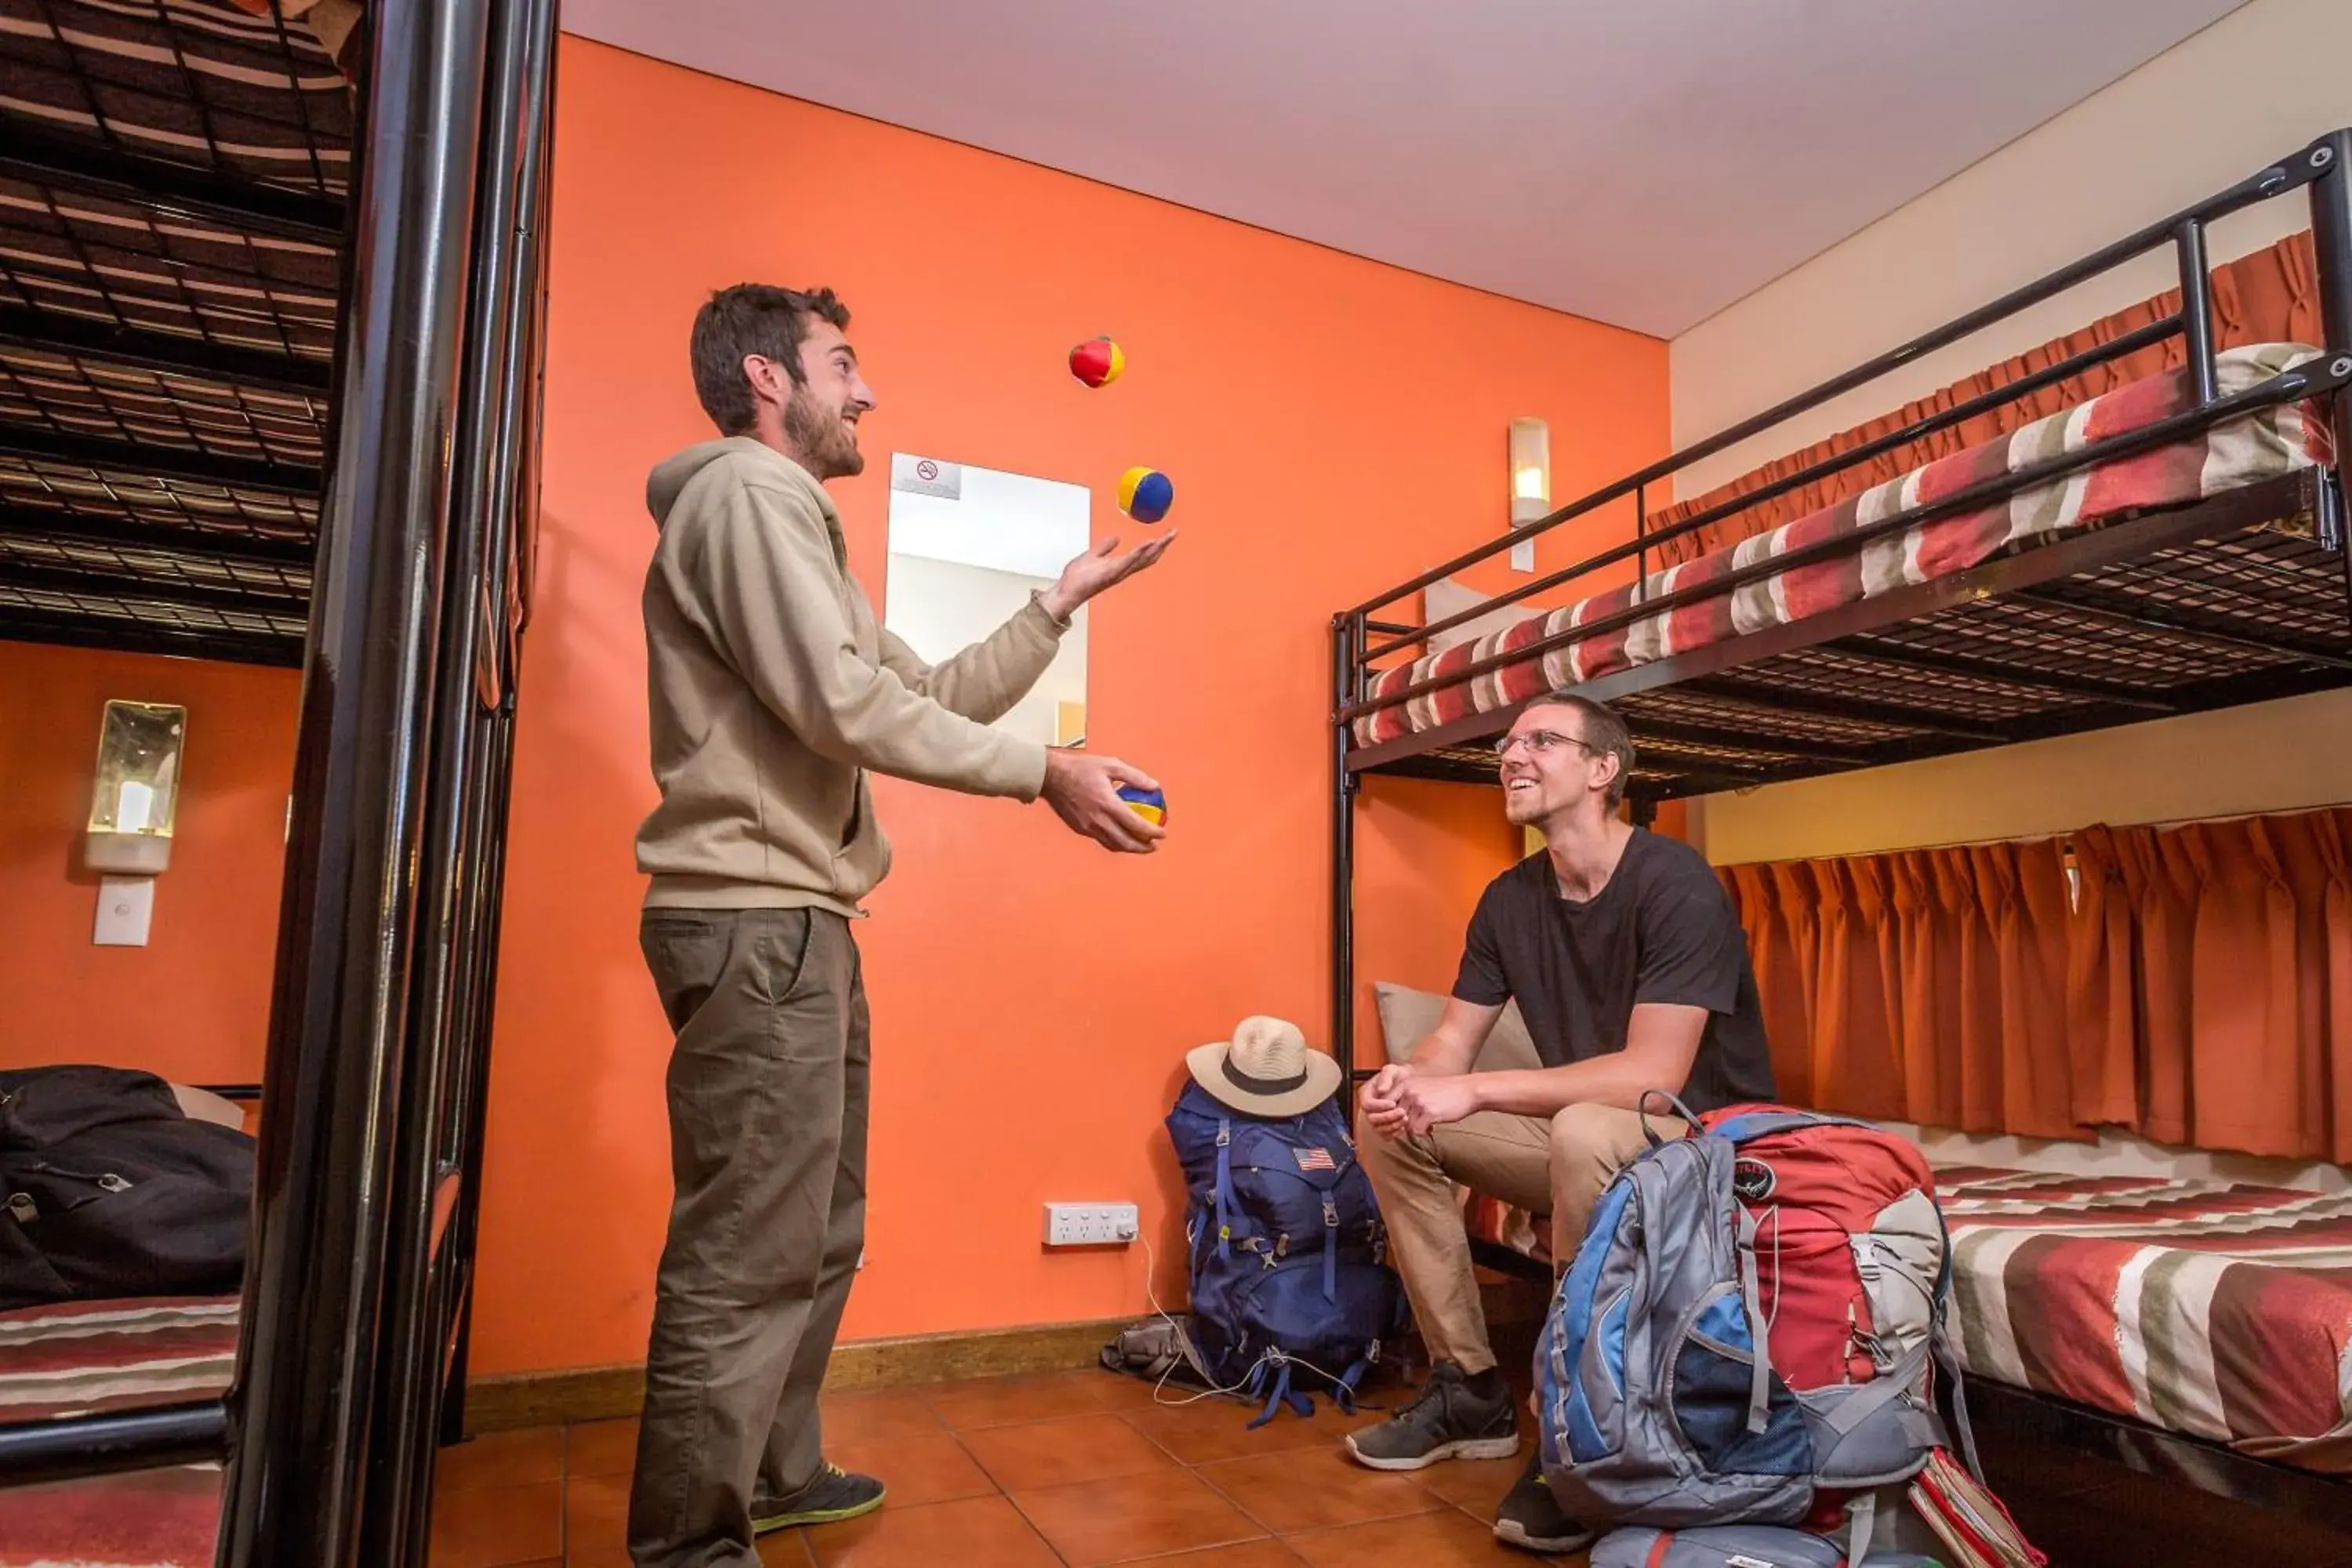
(271, 319)
(1959, 577)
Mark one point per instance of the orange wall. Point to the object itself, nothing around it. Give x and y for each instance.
(193, 1004)
(1331, 425)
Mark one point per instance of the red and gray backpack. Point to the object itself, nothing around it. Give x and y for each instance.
(1748, 1332)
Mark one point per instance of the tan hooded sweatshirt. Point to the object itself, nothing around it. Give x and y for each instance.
(773, 692)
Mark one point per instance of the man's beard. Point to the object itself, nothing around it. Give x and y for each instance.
(822, 441)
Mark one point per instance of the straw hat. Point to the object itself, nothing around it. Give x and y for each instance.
(1267, 1069)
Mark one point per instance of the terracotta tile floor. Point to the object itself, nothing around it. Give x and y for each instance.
(1074, 1470)
(1063, 1470)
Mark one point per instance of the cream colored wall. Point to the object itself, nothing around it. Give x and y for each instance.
(2255, 86)
(2273, 756)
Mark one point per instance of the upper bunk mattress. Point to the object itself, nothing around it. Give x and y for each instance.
(2262, 445)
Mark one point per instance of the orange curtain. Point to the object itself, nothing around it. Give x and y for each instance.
(2103, 1054)
(2270, 296)
(1775, 945)
(2193, 983)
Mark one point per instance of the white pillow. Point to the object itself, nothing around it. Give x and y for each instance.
(1408, 1015)
(1447, 597)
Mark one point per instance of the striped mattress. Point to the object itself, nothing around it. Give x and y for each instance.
(2244, 451)
(87, 1357)
(2216, 1309)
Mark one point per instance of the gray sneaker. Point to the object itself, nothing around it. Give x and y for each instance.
(1448, 1420)
(837, 1494)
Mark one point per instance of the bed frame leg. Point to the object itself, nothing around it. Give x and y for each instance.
(2331, 234)
(1346, 633)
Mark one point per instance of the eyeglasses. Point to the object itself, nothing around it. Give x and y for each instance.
(1541, 740)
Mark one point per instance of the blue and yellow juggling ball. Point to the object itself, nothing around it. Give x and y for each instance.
(1147, 803)
(1098, 362)
(1145, 494)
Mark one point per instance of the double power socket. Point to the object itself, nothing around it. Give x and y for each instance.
(1090, 1224)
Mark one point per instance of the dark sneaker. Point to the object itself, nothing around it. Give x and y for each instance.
(834, 1495)
(1448, 1420)
(1528, 1518)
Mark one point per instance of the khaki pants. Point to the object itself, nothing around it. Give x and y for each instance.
(767, 1095)
(1557, 1167)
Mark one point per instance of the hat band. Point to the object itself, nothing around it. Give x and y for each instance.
(1248, 1084)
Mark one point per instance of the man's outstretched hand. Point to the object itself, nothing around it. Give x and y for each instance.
(1099, 569)
(1083, 790)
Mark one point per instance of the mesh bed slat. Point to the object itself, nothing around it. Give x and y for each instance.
(128, 607)
(190, 81)
(39, 495)
(107, 262)
(272, 582)
(41, 390)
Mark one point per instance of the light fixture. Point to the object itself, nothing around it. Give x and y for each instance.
(137, 791)
(1530, 471)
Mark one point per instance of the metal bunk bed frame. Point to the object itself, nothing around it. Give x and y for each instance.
(1968, 660)
(351, 1364)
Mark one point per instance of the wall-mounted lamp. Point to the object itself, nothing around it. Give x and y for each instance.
(138, 788)
(1530, 483)
(1530, 471)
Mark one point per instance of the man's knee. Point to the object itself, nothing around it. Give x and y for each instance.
(1586, 1132)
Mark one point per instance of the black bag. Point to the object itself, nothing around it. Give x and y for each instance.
(108, 1189)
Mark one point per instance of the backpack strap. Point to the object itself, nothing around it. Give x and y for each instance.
(1331, 1248)
(1642, 1108)
(1759, 1386)
(1224, 1186)
(1940, 1343)
(1864, 1511)
(1764, 1123)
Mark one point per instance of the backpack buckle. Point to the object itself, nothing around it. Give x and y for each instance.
(1330, 1215)
(1225, 1133)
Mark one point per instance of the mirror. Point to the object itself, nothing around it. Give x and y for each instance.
(968, 546)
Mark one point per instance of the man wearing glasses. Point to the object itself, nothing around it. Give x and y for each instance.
(1629, 968)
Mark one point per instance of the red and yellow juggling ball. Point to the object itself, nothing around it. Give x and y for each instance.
(1098, 362)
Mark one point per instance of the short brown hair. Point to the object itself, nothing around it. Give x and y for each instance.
(752, 319)
(1603, 733)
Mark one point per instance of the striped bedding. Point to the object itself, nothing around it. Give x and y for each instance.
(92, 1356)
(2220, 1311)
(84, 1357)
(2243, 452)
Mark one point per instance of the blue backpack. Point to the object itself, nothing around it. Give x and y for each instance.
(1286, 1252)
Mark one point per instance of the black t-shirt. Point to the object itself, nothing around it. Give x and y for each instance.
(1662, 930)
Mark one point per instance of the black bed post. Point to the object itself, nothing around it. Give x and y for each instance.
(2331, 235)
(300, 1480)
(1346, 632)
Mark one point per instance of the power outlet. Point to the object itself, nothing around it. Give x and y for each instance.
(1091, 1224)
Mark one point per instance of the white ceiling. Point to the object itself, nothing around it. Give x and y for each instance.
(1639, 161)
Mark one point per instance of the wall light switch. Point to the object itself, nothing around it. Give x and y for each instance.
(125, 907)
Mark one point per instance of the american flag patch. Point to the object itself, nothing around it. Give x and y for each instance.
(1314, 1158)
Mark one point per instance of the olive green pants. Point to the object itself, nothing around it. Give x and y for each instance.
(767, 1091)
